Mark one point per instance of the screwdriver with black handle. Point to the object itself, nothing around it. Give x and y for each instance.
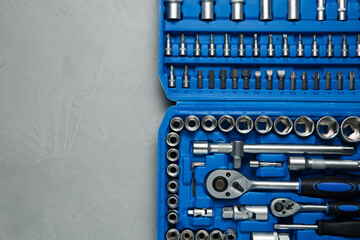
(342, 229)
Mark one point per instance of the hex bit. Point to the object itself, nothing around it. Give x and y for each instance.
(300, 48)
(352, 80)
(316, 81)
(235, 78)
(329, 48)
(257, 80)
(241, 48)
(293, 81)
(270, 47)
(199, 79)
(212, 47)
(226, 50)
(314, 48)
(281, 78)
(168, 47)
(223, 78)
(285, 46)
(172, 78)
(197, 47)
(269, 77)
(328, 81)
(211, 79)
(340, 81)
(246, 74)
(256, 47)
(344, 48)
(182, 49)
(304, 79)
(186, 78)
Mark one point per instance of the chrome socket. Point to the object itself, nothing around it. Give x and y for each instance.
(172, 186)
(187, 234)
(202, 235)
(176, 124)
(327, 128)
(350, 129)
(226, 123)
(321, 15)
(209, 123)
(207, 10)
(293, 10)
(173, 170)
(237, 10)
(173, 217)
(173, 139)
(192, 123)
(173, 9)
(263, 124)
(172, 201)
(172, 234)
(230, 234)
(216, 235)
(172, 154)
(283, 125)
(342, 10)
(244, 124)
(304, 126)
(265, 10)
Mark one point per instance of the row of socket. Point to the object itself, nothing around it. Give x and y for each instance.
(202, 234)
(327, 127)
(246, 76)
(173, 10)
(300, 52)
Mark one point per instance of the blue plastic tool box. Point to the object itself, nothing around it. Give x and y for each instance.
(252, 102)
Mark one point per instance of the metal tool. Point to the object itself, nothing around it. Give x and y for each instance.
(269, 78)
(256, 47)
(302, 163)
(193, 180)
(329, 48)
(234, 74)
(352, 81)
(243, 212)
(304, 126)
(327, 127)
(340, 81)
(283, 125)
(172, 154)
(212, 47)
(358, 46)
(246, 74)
(344, 229)
(316, 81)
(350, 129)
(237, 149)
(304, 79)
(241, 47)
(199, 79)
(327, 81)
(173, 170)
(172, 234)
(314, 48)
(172, 139)
(293, 81)
(321, 14)
(186, 78)
(182, 48)
(237, 10)
(257, 80)
(265, 10)
(176, 124)
(230, 234)
(209, 123)
(226, 48)
(344, 47)
(200, 212)
(187, 234)
(211, 79)
(342, 10)
(172, 78)
(202, 234)
(173, 9)
(281, 78)
(226, 123)
(197, 47)
(216, 235)
(270, 47)
(293, 10)
(269, 236)
(230, 184)
(285, 46)
(173, 216)
(172, 186)
(168, 47)
(223, 74)
(172, 201)
(192, 123)
(263, 124)
(300, 47)
(244, 124)
(257, 164)
(207, 10)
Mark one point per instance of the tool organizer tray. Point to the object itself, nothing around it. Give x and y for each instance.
(223, 97)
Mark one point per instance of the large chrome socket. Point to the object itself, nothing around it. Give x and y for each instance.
(283, 125)
(173, 9)
(226, 123)
(304, 126)
(263, 124)
(244, 124)
(350, 129)
(327, 128)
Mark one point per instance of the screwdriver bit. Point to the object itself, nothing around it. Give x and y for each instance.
(352, 80)
(172, 78)
(186, 78)
(197, 47)
(316, 81)
(246, 74)
(285, 46)
(168, 48)
(212, 47)
(211, 79)
(328, 81)
(315, 48)
(300, 48)
(304, 79)
(344, 48)
(269, 77)
(234, 77)
(182, 49)
(226, 50)
(340, 81)
(281, 78)
(358, 46)
(329, 48)
(199, 79)
(256, 47)
(241, 48)
(270, 48)
(293, 80)
(321, 15)
(257, 80)
(223, 78)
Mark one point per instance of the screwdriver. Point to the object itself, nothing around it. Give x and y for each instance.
(343, 229)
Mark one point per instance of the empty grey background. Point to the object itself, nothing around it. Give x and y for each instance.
(80, 107)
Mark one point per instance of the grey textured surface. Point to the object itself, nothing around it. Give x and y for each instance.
(80, 106)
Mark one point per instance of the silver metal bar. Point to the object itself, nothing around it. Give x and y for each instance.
(316, 208)
(275, 185)
(295, 226)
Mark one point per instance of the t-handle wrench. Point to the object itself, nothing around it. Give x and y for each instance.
(285, 207)
(230, 184)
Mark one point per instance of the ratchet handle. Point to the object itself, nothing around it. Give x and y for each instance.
(343, 229)
(330, 187)
(344, 209)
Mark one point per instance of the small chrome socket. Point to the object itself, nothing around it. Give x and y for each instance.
(172, 234)
(216, 235)
(192, 123)
(304, 126)
(172, 186)
(173, 170)
(172, 201)
(176, 124)
(172, 139)
(187, 234)
(209, 123)
(283, 125)
(350, 129)
(173, 9)
(202, 235)
(173, 217)
(230, 234)
(226, 123)
(263, 124)
(327, 128)
(244, 124)
(172, 155)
